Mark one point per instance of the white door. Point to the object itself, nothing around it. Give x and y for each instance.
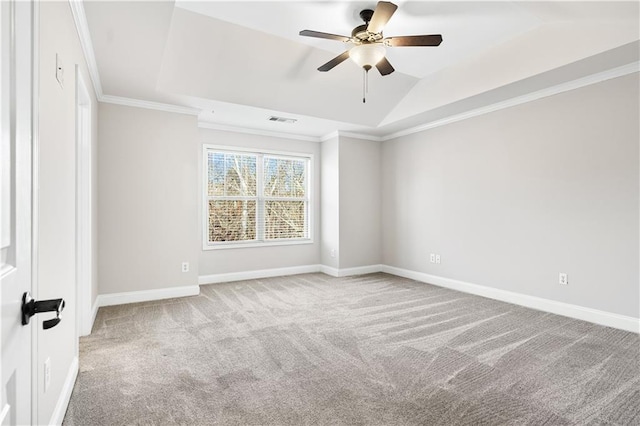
(15, 212)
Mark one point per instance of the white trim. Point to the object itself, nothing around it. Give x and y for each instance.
(262, 273)
(359, 270)
(259, 153)
(4, 412)
(82, 28)
(352, 135)
(362, 136)
(329, 270)
(94, 313)
(35, 200)
(138, 103)
(559, 308)
(146, 295)
(84, 266)
(254, 243)
(347, 272)
(65, 394)
(274, 152)
(80, 19)
(260, 132)
(518, 100)
(330, 135)
(281, 272)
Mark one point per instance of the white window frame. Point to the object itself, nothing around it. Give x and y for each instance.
(206, 245)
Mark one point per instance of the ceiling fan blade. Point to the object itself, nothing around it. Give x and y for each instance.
(382, 14)
(384, 67)
(416, 40)
(335, 61)
(318, 34)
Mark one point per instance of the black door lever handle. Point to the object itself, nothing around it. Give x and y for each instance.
(30, 307)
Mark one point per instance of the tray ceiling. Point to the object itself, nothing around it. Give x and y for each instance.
(239, 62)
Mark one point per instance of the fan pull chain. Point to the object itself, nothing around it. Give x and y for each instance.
(364, 85)
(367, 81)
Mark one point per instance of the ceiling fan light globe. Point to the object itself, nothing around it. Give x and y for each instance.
(367, 54)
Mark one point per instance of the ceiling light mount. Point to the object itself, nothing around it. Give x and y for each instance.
(366, 15)
(370, 43)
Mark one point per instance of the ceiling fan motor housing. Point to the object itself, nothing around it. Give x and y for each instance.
(369, 44)
(360, 32)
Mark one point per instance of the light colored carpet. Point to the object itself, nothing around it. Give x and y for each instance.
(373, 349)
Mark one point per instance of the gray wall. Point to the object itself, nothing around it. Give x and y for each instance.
(360, 202)
(148, 222)
(512, 198)
(56, 215)
(219, 261)
(330, 207)
(508, 199)
(351, 203)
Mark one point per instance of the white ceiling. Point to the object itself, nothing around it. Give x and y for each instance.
(240, 62)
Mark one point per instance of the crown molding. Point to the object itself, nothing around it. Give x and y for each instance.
(80, 19)
(260, 132)
(330, 135)
(119, 100)
(621, 71)
(82, 27)
(631, 68)
(362, 136)
(352, 135)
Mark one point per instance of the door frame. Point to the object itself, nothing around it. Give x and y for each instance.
(35, 184)
(84, 240)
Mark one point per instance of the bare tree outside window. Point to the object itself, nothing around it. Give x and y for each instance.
(256, 197)
(232, 181)
(285, 192)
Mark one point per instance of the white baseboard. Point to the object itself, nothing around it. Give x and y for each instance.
(281, 272)
(359, 270)
(347, 272)
(146, 295)
(94, 312)
(86, 327)
(261, 273)
(560, 308)
(65, 394)
(329, 270)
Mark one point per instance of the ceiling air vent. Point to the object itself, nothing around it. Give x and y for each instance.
(282, 119)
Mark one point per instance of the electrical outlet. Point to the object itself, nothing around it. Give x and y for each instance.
(563, 279)
(333, 252)
(432, 258)
(185, 266)
(437, 258)
(47, 374)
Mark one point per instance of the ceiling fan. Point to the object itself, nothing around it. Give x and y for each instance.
(369, 43)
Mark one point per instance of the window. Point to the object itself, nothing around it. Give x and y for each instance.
(255, 198)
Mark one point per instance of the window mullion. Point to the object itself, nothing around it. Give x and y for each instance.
(260, 220)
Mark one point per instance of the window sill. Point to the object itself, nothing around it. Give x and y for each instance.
(253, 244)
